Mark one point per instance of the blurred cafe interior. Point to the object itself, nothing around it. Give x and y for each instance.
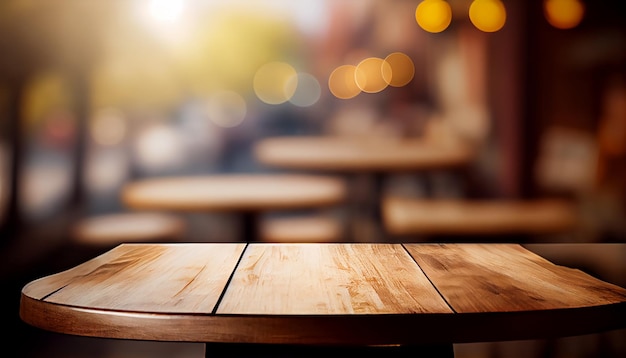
(95, 95)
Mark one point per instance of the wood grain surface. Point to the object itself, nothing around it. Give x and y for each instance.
(348, 294)
(161, 278)
(507, 277)
(40, 288)
(331, 279)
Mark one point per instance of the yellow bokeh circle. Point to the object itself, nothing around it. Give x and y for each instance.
(487, 15)
(564, 14)
(433, 15)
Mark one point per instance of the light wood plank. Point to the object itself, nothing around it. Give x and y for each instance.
(329, 279)
(172, 278)
(44, 286)
(506, 278)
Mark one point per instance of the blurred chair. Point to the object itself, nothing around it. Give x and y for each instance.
(508, 220)
(103, 232)
(318, 228)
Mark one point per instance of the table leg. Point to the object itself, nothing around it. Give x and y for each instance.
(232, 350)
(250, 226)
(364, 210)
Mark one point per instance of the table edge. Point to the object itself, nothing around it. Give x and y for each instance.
(363, 329)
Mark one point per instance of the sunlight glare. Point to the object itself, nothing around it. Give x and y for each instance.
(166, 11)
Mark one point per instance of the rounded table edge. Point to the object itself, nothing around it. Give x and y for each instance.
(360, 329)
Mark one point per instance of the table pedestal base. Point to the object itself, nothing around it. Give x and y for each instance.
(215, 350)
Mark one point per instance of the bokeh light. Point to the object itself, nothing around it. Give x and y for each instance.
(308, 90)
(108, 127)
(106, 170)
(373, 75)
(402, 69)
(342, 82)
(226, 108)
(159, 147)
(487, 15)
(274, 82)
(433, 15)
(564, 14)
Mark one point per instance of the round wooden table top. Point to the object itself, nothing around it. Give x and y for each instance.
(234, 192)
(335, 153)
(323, 294)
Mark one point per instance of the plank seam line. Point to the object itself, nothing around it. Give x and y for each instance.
(53, 292)
(230, 278)
(429, 280)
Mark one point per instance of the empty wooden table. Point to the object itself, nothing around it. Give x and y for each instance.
(273, 299)
(359, 155)
(245, 194)
(367, 158)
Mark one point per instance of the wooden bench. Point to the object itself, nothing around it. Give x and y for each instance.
(404, 216)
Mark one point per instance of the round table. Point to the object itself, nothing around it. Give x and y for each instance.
(359, 155)
(307, 300)
(363, 160)
(245, 194)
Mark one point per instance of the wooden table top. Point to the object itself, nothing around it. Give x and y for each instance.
(234, 192)
(347, 154)
(323, 294)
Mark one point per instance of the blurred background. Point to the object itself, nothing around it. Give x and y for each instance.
(95, 94)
